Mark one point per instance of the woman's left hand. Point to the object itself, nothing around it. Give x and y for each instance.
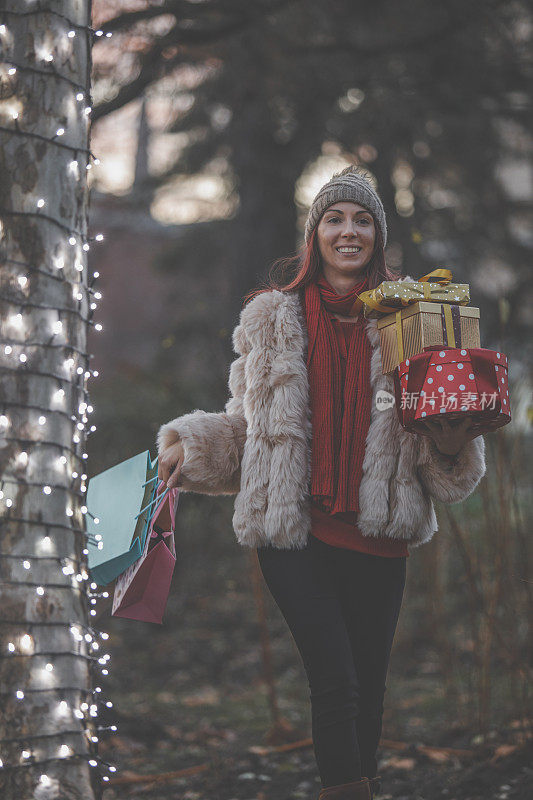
(449, 437)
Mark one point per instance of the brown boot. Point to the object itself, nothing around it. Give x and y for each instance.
(356, 790)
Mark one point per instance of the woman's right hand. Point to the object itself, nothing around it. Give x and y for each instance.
(169, 464)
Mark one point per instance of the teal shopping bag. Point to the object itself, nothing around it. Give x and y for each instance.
(121, 498)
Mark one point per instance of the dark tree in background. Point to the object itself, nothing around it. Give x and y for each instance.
(433, 98)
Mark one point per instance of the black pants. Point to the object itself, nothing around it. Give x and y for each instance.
(342, 607)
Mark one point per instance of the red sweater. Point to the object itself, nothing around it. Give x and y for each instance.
(340, 530)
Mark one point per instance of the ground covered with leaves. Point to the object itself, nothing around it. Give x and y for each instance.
(193, 714)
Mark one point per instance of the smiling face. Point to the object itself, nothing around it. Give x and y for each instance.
(346, 236)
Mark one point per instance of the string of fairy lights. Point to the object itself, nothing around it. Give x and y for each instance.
(77, 707)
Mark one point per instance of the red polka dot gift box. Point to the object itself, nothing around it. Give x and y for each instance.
(453, 382)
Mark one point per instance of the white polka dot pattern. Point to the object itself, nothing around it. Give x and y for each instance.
(441, 394)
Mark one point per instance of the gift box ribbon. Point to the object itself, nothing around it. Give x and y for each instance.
(451, 328)
(370, 298)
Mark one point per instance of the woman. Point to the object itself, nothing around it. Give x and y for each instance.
(329, 488)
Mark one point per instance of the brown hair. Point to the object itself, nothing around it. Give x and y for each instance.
(296, 272)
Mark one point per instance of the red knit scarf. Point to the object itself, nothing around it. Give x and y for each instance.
(339, 419)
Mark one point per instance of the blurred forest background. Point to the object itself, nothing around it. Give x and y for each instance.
(215, 122)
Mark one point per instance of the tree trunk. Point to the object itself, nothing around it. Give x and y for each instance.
(46, 664)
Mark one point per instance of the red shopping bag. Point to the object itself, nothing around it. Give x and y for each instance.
(453, 383)
(141, 592)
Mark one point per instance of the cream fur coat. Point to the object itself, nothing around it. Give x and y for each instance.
(259, 447)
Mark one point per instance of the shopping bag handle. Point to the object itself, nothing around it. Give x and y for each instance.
(160, 497)
(155, 499)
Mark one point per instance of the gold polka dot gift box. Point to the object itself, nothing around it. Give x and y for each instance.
(435, 287)
(453, 383)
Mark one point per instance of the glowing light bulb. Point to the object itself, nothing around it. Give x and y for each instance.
(40, 203)
(26, 564)
(42, 420)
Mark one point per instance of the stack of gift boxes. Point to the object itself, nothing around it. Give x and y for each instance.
(430, 344)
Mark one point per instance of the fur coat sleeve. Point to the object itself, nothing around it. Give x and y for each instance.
(451, 483)
(213, 443)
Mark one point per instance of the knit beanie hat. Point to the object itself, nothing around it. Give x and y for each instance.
(353, 183)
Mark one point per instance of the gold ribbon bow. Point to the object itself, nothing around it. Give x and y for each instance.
(370, 298)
